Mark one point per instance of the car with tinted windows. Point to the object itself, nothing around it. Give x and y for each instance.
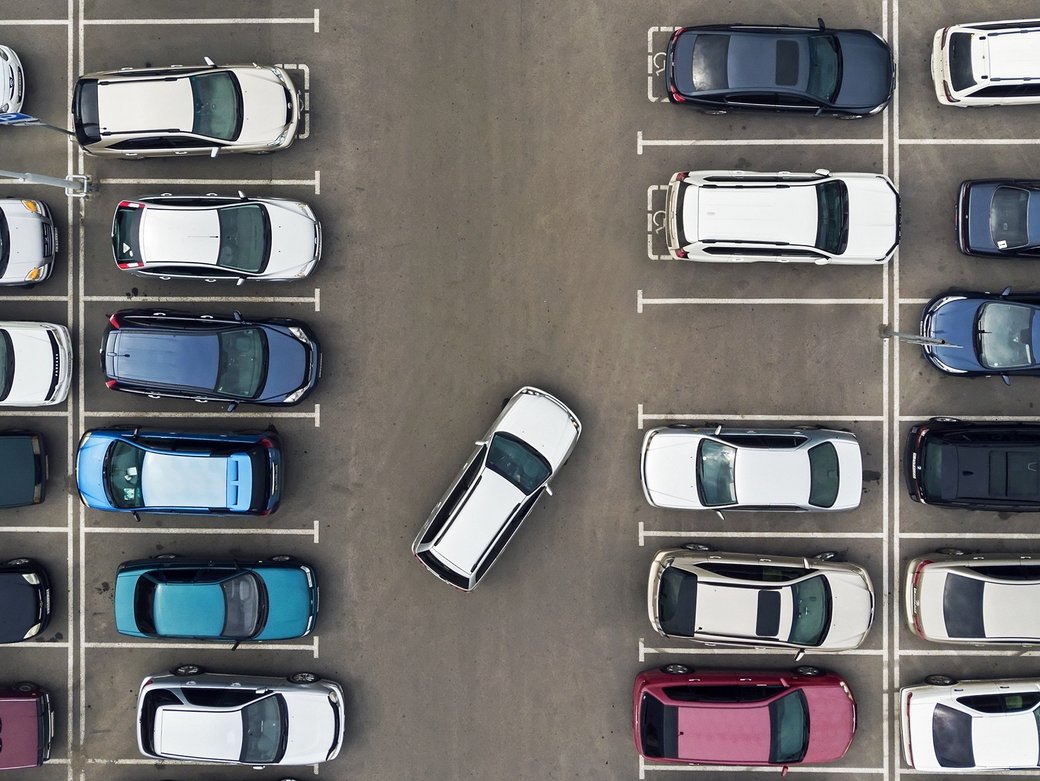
(813, 71)
(803, 716)
(751, 217)
(951, 726)
(724, 468)
(227, 358)
(182, 472)
(504, 477)
(981, 334)
(28, 241)
(23, 462)
(999, 218)
(216, 238)
(987, 63)
(35, 364)
(12, 81)
(956, 597)
(976, 465)
(197, 716)
(177, 110)
(232, 600)
(817, 603)
(25, 602)
(26, 725)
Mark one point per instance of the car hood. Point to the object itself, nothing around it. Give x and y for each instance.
(18, 463)
(954, 322)
(90, 464)
(33, 363)
(852, 609)
(21, 734)
(543, 423)
(670, 470)
(264, 105)
(873, 218)
(980, 199)
(288, 364)
(312, 727)
(292, 240)
(21, 602)
(289, 605)
(26, 243)
(869, 75)
(832, 716)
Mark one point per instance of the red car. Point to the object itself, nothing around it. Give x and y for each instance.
(731, 717)
(26, 726)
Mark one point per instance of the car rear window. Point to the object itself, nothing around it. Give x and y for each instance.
(245, 237)
(951, 737)
(939, 459)
(245, 603)
(217, 101)
(658, 728)
(962, 606)
(1008, 217)
(710, 63)
(677, 602)
(823, 475)
(6, 364)
(144, 602)
(832, 229)
(789, 728)
(959, 57)
(126, 233)
(824, 68)
(5, 240)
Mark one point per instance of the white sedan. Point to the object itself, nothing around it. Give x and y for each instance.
(12, 81)
(800, 469)
(35, 362)
(949, 726)
(28, 241)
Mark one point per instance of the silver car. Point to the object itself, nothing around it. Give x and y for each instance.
(215, 238)
(240, 719)
(511, 468)
(760, 600)
(28, 241)
(173, 111)
(796, 469)
(952, 597)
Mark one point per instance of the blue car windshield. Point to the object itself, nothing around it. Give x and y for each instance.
(1004, 335)
(242, 362)
(824, 67)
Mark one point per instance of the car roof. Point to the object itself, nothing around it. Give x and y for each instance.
(180, 235)
(478, 521)
(784, 213)
(126, 106)
(188, 609)
(723, 733)
(195, 480)
(1012, 54)
(186, 731)
(166, 357)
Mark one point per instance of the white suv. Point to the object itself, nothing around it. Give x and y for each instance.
(987, 63)
(746, 217)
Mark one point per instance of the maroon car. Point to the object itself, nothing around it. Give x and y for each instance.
(731, 717)
(26, 726)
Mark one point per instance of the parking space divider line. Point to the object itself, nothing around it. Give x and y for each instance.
(643, 301)
(299, 532)
(716, 416)
(801, 535)
(925, 416)
(889, 390)
(237, 183)
(647, 649)
(201, 646)
(969, 652)
(216, 20)
(35, 22)
(995, 535)
(34, 529)
(642, 142)
(150, 300)
(822, 770)
(968, 141)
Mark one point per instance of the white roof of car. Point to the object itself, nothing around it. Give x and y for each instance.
(1013, 55)
(125, 106)
(478, 521)
(755, 214)
(205, 734)
(1010, 740)
(165, 475)
(169, 235)
(771, 476)
(1009, 610)
(733, 610)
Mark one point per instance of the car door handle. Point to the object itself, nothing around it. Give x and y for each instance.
(180, 153)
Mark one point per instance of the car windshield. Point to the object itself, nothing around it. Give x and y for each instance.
(265, 731)
(715, 484)
(122, 475)
(832, 230)
(217, 100)
(811, 605)
(5, 240)
(6, 364)
(1008, 217)
(240, 370)
(960, 61)
(1004, 334)
(824, 67)
(789, 728)
(126, 234)
(824, 478)
(243, 605)
(245, 237)
(677, 601)
(517, 462)
(931, 480)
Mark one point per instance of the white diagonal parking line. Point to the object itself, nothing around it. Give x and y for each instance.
(641, 142)
(313, 532)
(148, 300)
(237, 183)
(241, 20)
(315, 416)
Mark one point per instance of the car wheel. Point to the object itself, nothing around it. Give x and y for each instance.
(944, 420)
(281, 557)
(166, 556)
(26, 687)
(676, 669)
(828, 555)
(939, 680)
(699, 546)
(186, 670)
(808, 671)
(17, 563)
(950, 551)
(848, 116)
(714, 112)
(679, 425)
(303, 678)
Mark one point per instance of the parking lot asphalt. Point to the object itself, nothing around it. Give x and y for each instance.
(489, 179)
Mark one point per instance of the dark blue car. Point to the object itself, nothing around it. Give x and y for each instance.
(999, 218)
(138, 470)
(171, 596)
(975, 334)
(210, 357)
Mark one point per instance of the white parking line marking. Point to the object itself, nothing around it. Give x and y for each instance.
(968, 652)
(655, 62)
(996, 535)
(926, 416)
(245, 20)
(708, 533)
(647, 766)
(645, 142)
(148, 300)
(316, 415)
(654, 222)
(34, 413)
(313, 533)
(967, 141)
(644, 650)
(237, 183)
(33, 529)
(311, 647)
(641, 416)
(641, 301)
(35, 22)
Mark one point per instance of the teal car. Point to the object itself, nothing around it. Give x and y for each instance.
(232, 601)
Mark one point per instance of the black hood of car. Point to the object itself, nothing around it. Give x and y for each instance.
(288, 364)
(867, 72)
(18, 465)
(19, 606)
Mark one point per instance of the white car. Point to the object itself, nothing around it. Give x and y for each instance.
(28, 241)
(240, 719)
(36, 361)
(760, 600)
(952, 597)
(798, 469)
(949, 726)
(214, 238)
(12, 81)
(511, 468)
(987, 63)
(747, 217)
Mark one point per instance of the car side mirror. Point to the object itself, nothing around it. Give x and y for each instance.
(819, 21)
(232, 406)
(237, 315)
(480, 443)
(798, 656)
(213, 153)
(1006, 379)
(242, 195)
(718, 429)
(241, 281)
(785, 771)
(210, 62)
(135, 432)
(1006, 291)
(548, 490)
(137, 516)
(721, 516)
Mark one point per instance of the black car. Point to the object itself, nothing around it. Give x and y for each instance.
(999, 218)
(25, 600)
(210, 357)
(979, 465)
(23, 462)
(806, 70)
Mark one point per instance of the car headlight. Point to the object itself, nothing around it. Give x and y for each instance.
(299, 334)
(34, 630)
(295, 396)
(33, 206)
(4, 106)
(281, 138)
(333, 697)
(31, 578)
(35, 274)
(3, 55)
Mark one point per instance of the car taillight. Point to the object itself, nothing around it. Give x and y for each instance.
(919, 571)
(909, 745)
(680, 253)
(681, 176)
(945, 34)
(677, 33)
(110, 383)
(949, 95)
(675, 94)
(128, 265)
(269, 444)
(114, 319)
(130, 205)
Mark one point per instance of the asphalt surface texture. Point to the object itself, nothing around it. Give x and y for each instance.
(489, 181)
